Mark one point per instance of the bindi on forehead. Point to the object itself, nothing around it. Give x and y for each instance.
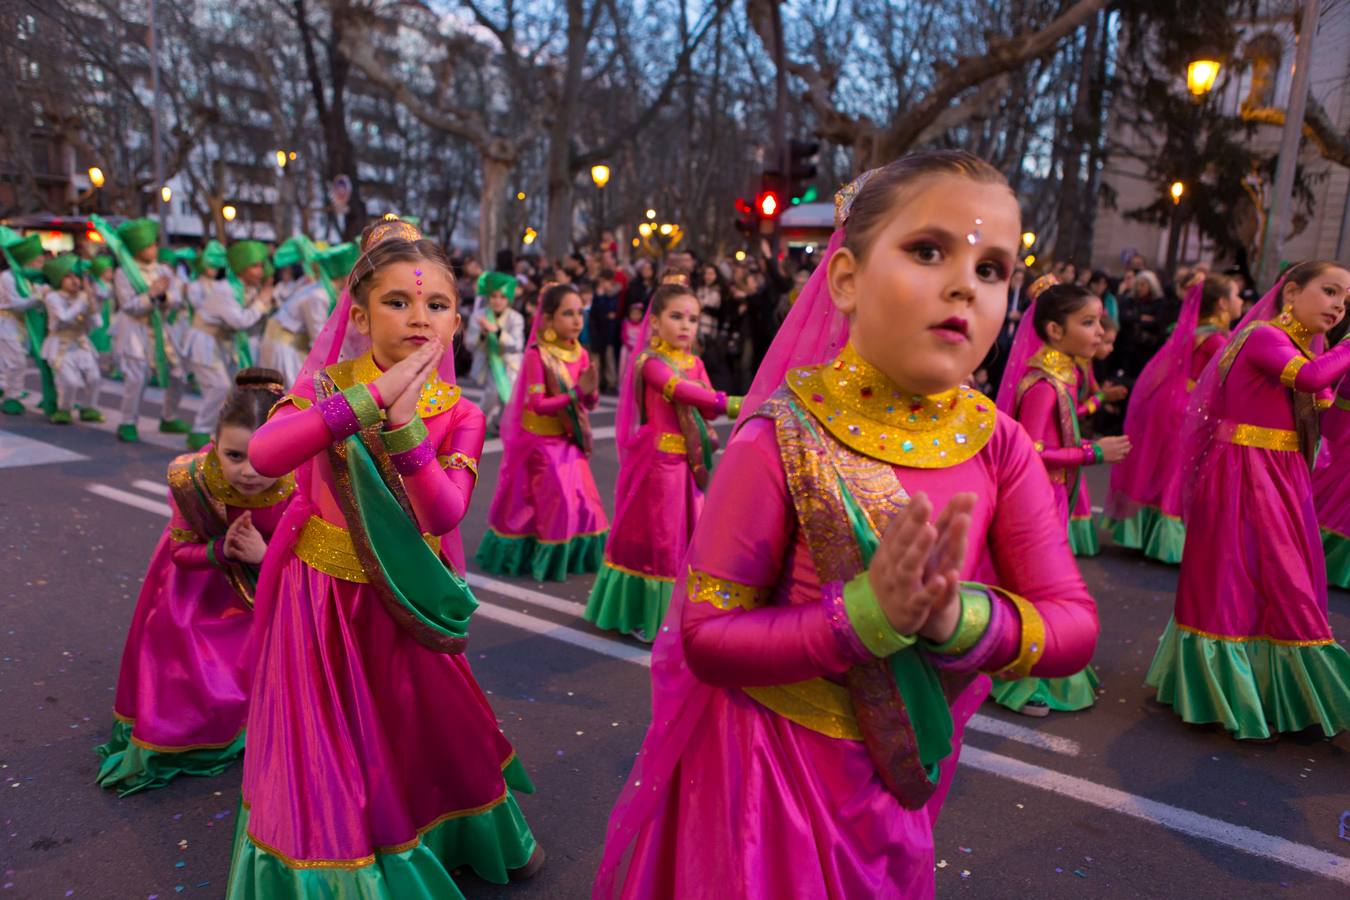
(973, 237)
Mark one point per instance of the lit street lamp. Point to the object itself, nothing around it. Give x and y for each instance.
(1201, 75)
(645, 230)
(1176, 190)
(281, 159)
(96, 177)
(600, 175)
(166, 193)
(1028, 239)
(228, 213)
(651, 214)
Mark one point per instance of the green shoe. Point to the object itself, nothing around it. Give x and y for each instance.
(173, 426)
(197, 440)
(127, 434)
(12, 407)
(60, 417)
(90, 415)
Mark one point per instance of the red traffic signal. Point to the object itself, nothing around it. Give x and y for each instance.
(769, 203)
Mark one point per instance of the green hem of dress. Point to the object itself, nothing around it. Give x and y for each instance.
(1337, 549)
(1083, 540)
(628, 603)
(491, 843)
(1077, 692)
(128, 768)
(501, 555)
(1253, 688)
(1151, 532)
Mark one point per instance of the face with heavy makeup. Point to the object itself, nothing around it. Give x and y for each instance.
(410, 303)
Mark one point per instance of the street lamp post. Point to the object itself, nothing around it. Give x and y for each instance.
(600, 175)
(1201, 74)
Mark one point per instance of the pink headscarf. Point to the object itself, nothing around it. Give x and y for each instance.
(1157, 403)
(628, 418)
(1026, 344)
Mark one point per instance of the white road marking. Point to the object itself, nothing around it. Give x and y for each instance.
(16, 451)
(158, 488)
(1238, 837)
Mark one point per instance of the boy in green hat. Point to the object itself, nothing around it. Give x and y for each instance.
(100, 279)
(300, 314)
(217, 317)
(139, 337)
(496, 333)
(71, 315)
(16, 298)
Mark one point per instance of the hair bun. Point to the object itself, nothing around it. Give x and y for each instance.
(258, 377)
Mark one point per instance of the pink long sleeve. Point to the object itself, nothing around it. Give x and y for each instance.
(1039, 414)
(711, 403)
(744, 536)
(287, 439)
(186, 554)
(1271, 350)
(536, 398)
(440, 497)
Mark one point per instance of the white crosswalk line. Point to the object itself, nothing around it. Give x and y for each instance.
(130, 499)
(158, 488)
(516, 592)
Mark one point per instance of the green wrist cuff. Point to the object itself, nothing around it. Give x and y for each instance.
(1097, 455)
(401, 440)
(734, 406)
(869, 622)
(213, 555)
(974, 622)
(363, 404)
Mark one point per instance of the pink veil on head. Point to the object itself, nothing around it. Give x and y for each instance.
(1157, 403)
(628, 418)
(1026, 344)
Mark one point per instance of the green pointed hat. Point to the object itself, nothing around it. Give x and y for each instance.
(244, 254)
(100, 264)
(290, 253)
(490, 283)
(58, 267)
(138, 234)
(339, 260)
(214, 256)
(26, 249)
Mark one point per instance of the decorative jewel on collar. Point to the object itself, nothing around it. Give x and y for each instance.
(1301, 334)
(220, 488)
(437, 396)
(567, 352)
(1059, 366)
(683, 358)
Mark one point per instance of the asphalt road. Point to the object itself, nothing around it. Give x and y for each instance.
(1120, 801)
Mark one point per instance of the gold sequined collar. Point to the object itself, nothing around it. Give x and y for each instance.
(682, 358)
(437, 395)
(1299, 333)
(1059, 366)
(568, 353)
(866, 412)
(220, 488)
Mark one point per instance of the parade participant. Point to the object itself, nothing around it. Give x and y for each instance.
(1042, 390)
(497, 334)
(665, 460)
(813, 677)
(146, 290)
(101, 271)
(300, 315)
(181, 695)
(375, 765)
(546, 518)
(218, 321)
(1144, 507)
(1249, 645)
(630, 334)
(19, 303)
(71, 315)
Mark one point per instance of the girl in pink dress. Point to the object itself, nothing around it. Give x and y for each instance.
(1331, 495)
(630, 334)
(665, 459)
(1249, 645)
(546, 518)
(819, 661)
(181, 700)
(1144, 507)
(375, 764)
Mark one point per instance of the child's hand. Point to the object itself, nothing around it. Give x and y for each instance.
(393, 383)
(905, 592)
(589, 381)
(243, 542)
(1114, 392)
(404, 407)
(949, 556)
(1114, 449)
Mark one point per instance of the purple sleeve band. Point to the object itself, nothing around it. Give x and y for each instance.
(976, 658)
(339, 416)
(410, 461)
(844, 633)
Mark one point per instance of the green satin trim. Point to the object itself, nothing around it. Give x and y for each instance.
(1337, 550)
(520, 555)
(491, 844)
(1070, 694)
(1157, 536)
(243, 355)
(101, 337)
(1253, 688)
(417, 577)
(496, 364)
(1083, 540)
(35, 322)
(128, 768)
(628, 603)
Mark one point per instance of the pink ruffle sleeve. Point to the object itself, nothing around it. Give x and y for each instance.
(1039, 414)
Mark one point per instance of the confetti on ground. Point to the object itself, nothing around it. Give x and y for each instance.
(182, 845)
(942, 864)
(964, 849)
(180, 864)
(965, 873)
(1080, 873)
(1059, 870)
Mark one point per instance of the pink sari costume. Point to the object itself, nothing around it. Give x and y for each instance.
(665, 459)
(1249, 644)
(799, 746)
(1144, 507)
(181, 695)
(546, 517)
(376, 766)
(1331, 496)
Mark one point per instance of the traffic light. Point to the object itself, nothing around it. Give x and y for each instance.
(747, 218)
(772, 196)
(802, 157)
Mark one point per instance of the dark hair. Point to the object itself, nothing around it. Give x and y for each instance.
(666, 293)
(1214, 292)
(1098, 275)
(255, 392)
(883, 190)
(1300, 274)
(551, 297)
(387, 252)
(1056, 303)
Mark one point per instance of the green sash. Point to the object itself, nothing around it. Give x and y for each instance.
(243, 355)
(132, 270)
(496, 364)
(35, 324)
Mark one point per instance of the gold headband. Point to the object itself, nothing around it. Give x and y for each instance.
(1040, 284)
(391, 228)
(843, 201)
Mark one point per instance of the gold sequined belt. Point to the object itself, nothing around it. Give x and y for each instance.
(14, 314)
(329, 549)
(67, 334)
(820, 705)
(667, 442)
(548, 426)
(277, 332)
(219, 332)
(1256, 436)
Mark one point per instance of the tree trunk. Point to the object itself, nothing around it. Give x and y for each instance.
(558, 228)
(491, 199)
